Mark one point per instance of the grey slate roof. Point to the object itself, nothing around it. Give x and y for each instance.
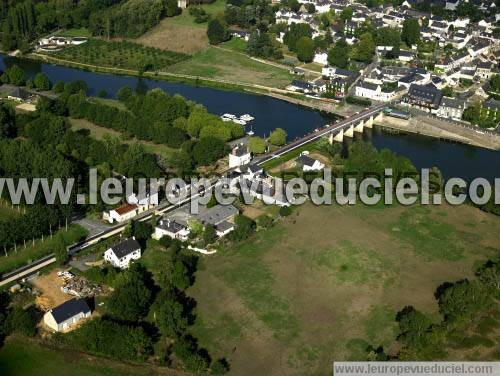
(304, 160)
(452, 103)
(69, 309)
(170, 225)
(217, 214)
(125, 247)
(428, 94)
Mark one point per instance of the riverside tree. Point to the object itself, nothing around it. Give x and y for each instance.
(277, 137)
(256, 145)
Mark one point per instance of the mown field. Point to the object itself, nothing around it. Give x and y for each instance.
(181, 33)
(24, 357)
(216, 62)
(328, 281)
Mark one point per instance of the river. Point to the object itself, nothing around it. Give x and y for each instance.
(454, 160)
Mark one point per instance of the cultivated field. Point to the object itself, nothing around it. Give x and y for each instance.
(327, 282)
(170, 36)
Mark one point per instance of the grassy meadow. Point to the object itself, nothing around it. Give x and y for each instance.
(327, 282)
(20, 356)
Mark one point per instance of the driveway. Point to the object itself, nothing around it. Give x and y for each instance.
(92, 226)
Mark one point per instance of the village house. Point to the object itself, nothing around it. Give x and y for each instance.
(307, 163)
(451, 108)
(377, 92)
(239, 156)
(18, 94)
(64, 316)
(301, 86)
(484, 70)
(219, 216)
(121, 254)
(426, 97)
(491, 108)
(171, 228)
(122, 213)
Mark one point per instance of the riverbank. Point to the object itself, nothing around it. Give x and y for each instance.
(427, 126)
(324, 105)
(441, 129)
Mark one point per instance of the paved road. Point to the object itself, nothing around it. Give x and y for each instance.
(343, 124)
(166, 207)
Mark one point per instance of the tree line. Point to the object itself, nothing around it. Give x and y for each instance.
(467, 307)
(22, 21)
(149, 318)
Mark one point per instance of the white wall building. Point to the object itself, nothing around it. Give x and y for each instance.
(64, 316)
(239, 156)
(171, 228)
(120, 255)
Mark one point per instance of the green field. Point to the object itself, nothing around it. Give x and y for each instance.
(185, 19)
(123, 55)
(40, 249)
(327, 282)
(82, 32)
(232, 66)
(24, 358)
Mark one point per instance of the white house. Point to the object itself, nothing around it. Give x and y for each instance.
(309, 164)
(122, 213)
(120, 255)
(239, 156)
(451, 108)
(147, 198)
(374, 92)
(171, 228)
(321, 57)
(62, 317)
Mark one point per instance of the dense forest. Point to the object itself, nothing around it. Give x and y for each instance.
(22, 21)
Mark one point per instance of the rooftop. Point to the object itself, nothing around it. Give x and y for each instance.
(125, 247)
(69, 309)
(217, 214)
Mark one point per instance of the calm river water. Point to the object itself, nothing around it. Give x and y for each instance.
(454, 160)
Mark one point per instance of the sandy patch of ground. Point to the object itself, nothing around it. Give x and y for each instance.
(26, 107)
(50, 287)
(178, 38)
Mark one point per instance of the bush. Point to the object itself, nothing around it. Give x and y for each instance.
(285, 211)
(358, 101)
(265, 221)
(22, 321)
